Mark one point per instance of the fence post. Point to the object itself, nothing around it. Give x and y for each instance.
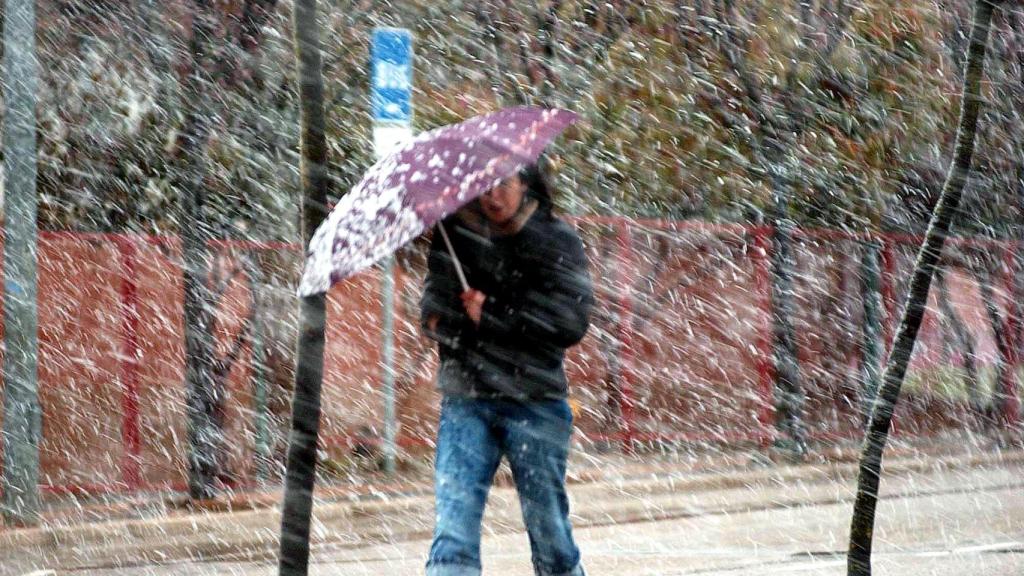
(130, 472)
(626, 375)
(762, 273)
(888, 290)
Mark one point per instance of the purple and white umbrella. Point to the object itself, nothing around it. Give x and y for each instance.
(425, 180)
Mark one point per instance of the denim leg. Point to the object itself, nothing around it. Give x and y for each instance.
(467, 458)
(536, 443)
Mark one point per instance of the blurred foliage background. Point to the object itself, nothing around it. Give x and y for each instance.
(687, 106)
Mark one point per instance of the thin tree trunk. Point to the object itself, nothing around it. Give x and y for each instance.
(964, 341)
(842, 303)
(863, 521)
(1003, 386)
(790, 395)
(195, 235)
(205, 394)
(305, 427)
(221, 372)
(258, 354)
(871, 336)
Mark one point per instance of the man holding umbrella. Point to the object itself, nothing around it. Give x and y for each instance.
(507, 291)
(502, 324)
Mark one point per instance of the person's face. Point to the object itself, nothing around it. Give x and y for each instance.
(502, 202)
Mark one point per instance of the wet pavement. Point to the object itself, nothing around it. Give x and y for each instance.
(962, 515)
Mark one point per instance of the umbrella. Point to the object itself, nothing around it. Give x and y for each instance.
(426, 179)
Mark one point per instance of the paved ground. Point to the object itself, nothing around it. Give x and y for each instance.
(960, 517)
(973, 520)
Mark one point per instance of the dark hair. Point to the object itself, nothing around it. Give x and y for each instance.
(537, 179)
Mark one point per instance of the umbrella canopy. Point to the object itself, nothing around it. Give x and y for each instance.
(425, 180)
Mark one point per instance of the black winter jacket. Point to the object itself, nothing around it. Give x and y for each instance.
(538, 304)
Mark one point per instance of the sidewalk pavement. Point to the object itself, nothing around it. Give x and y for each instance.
(605, 489)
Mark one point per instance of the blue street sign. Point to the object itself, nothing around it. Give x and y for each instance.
(391, 75)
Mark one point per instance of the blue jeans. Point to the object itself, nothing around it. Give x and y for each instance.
(473, 436)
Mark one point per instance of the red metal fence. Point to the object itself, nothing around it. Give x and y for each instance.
(679, 349)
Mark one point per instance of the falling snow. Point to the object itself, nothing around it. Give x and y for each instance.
(752, 182)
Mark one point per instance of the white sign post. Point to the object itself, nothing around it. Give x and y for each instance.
(391, 79)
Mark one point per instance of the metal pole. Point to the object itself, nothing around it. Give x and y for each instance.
(22, 420)
(391, 72)
(390, 426)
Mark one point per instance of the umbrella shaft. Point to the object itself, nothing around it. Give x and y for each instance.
(455, 259)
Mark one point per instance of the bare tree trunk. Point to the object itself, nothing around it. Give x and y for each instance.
(789, 391)
(204, 372)
(863, 521)
(257, 353)
(871, 336)
(964, 341)
(195, 234)
(775, 164)
(301, 467)
(1003, 386)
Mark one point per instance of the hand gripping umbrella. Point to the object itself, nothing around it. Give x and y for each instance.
(427, 179)
(401, 196)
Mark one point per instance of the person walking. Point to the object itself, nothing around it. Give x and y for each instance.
(501, 344)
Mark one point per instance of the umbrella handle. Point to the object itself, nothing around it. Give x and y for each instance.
(455, 259)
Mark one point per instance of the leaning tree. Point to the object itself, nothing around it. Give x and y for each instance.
(862, 525)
